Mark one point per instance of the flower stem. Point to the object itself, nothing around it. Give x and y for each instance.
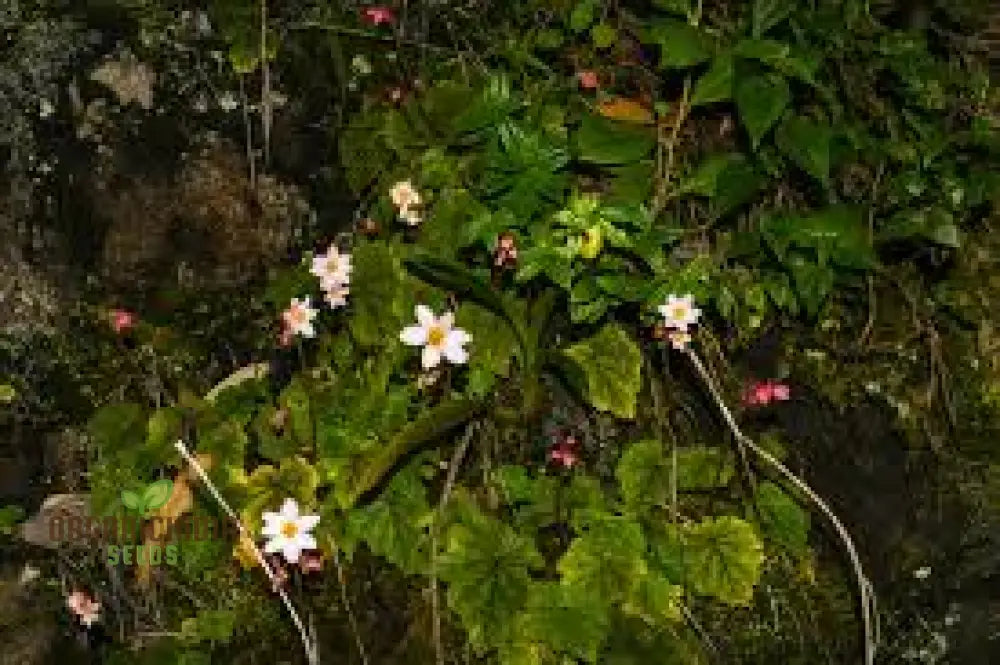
(869, 613)
(312, 652)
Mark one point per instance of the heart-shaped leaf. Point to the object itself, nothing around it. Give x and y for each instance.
(715, 85)
(761, 101)
(132, 500)
(611, 362)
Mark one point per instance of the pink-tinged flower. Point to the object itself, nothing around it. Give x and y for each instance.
(84, 607)
(122, 320)
(311, 562)
(564, 452)
(378, 15)
(679, 312)
(762, 393)
(298, 318)
(505, 255)
(588, 79)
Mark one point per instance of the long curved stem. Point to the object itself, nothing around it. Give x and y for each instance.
(869, 613)
(312, 653)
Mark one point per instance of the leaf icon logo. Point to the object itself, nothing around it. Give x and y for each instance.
(153, 497)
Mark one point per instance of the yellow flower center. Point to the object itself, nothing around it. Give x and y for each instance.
(289, 529)
(332, 263)
(680, 311)
(299, 315)
(435, 336)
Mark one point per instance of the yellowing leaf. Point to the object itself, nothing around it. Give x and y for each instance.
(626, 110)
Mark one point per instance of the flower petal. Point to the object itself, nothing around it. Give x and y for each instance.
(431, 357)
(446, 321)
(307, 522)
(290, 509)
(275, 544)
(425, 316)
(305, 541)
(291, 551)
(414, 335)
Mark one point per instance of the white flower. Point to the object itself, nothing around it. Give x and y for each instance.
(922, 573)
(404, 196)
(336, 294)
(438, 337)
(411, 216)
(288, 532)
(680, 312)
(298, 317)
(332, 268)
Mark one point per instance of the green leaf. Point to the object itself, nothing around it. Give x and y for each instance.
(582, 15)
(644, 474)
(381, 309)
(493, 346)
(7, 393)
(932, 223)
(807, 143)
(209, 626)
(608, 557)
(603, 141)
(570, 620)
(162, 431)
(118, 430)
(604, 35)
(703, 468)
(656, 600)
(768, 14)
(681, 44)
(611, 362)
(761, 101)
(425, 427)
(715, 85)
(132, 500)
(719, 557)
(781, 517)
(704, 180)
(10, 516)
(486, 566)
(395, 526)
(157, 494)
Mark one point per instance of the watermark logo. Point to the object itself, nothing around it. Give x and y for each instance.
(154, 496)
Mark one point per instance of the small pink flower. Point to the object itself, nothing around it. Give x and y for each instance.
(588, 79)
(122, 320)
(378, 15)
(279, 570)
(84, 607)
(564, 452)
(762, 393)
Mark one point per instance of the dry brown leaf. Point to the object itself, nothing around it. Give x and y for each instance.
(626, 110)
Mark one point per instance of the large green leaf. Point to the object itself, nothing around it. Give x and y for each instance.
(603, 141)
(395, 526)
(611, 362)
(719, 557)
(715, 85)
(807, 142)
(761, 99)
(570, 620)
(681, 44)
(423, 429)
(385, 304)
(494, 345)
(608, 558)
(486, 566)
